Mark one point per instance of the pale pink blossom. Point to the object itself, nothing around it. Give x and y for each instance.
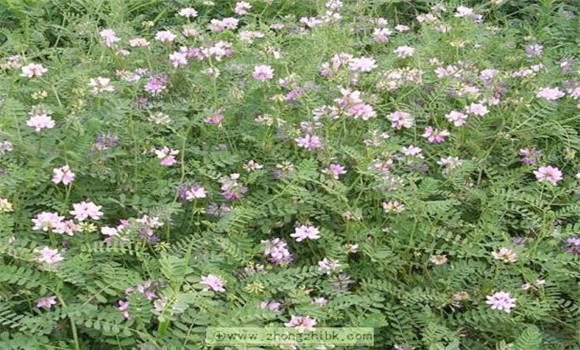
(362, 64)
(457, 118)
(401, 120)
(404, 51)
(33, 70)
(165, 36)
(477, 109)
(506, 255)
(463, 11)
(167, 156)
(83, 210)
(309, 142)
(402, 28)
(501, 301)
(393, 207)
(47, 221)
(435, 135)
(63, 174)
(215, 283)
(178, 59)
(263, 73)
(361, 111)
(301, 322)
(100, 84)
(303, 232)
(328, 266)
(46, 303)
(381, 35)
(320, 301)
(550, 94)
(412, 151)
(188, 12)
(311, 22)
(242, 8)
(548, 173)
(109, 36)
(230, 22)
(109, 231)
(215, 119)
(195, 192)
(449, 163)
(335, 170)
(138, 42)
(48, 256)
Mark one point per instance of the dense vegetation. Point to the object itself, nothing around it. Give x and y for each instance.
(411, 166)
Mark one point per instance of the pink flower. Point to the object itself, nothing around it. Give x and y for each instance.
(402, 28)
(363, 64)
(401, 120)
(33, 70)
(263, 73)
(435, 135)
(84, 210)
(231, 188)
(393, 207)
(381, 35)
(178, 59)
(49, 256)
(167, 156)
(195, 191)
(501, 301)
(123, 307)
(348, 98)
(68, 227)
(138, 42)
(230, 22)
(303, 232)
(215, 283)
(188, 12)
(46, 303)
(320, 301)
(457, 118)
(301, 322)
(100, 84)
(309, 142)
(242, 7)
(530, 155)
(335, 170)
(109, 231)
(506, 255)
(463, 11)
(449, 163)
(548, 173)
(328, 266)
(46, 221)
(277, 250)
(63, 174)
(271, 305)
(40, 121)
(477, 109)
(215, 119)
(550, 94)
(165, 36)
(404, 51)
(109, 36)
(412, 151)
(361, 110)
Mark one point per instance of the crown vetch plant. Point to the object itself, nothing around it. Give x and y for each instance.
(171, 166)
